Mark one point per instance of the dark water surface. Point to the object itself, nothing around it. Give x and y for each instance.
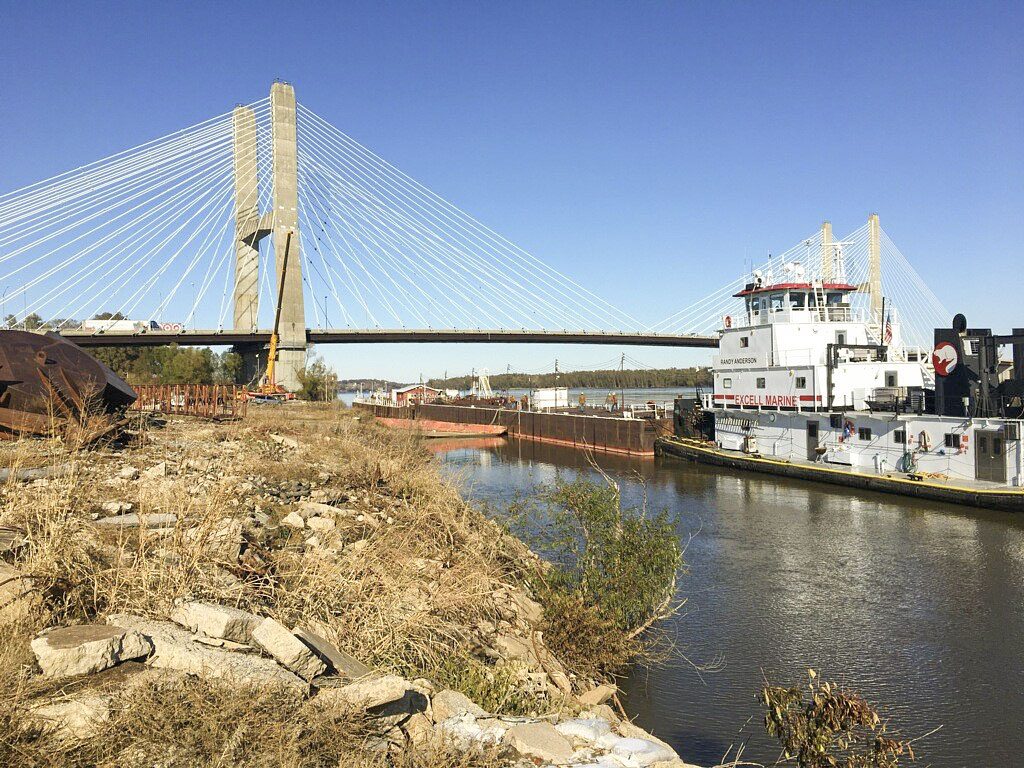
(919, 606)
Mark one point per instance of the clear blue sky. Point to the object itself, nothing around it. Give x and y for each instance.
(646, 148)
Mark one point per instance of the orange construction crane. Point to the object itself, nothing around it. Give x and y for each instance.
(269, 388)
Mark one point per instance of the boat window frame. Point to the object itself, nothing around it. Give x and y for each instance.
(801, 382)
(727, 383)
(761, 382)
(899, 436)
(864, 433)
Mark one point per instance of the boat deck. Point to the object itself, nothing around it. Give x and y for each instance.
(977, 493)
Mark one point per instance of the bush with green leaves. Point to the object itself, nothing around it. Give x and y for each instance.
(317, 382)
(612, 573)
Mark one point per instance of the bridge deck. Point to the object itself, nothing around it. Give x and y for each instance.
(380, 336)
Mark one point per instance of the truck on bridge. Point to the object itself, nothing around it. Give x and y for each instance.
(111, 325)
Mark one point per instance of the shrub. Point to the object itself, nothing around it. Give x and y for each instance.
(828, 726)
(317, 381)
(612, 576)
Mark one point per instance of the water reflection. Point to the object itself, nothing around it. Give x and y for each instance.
(916, 604)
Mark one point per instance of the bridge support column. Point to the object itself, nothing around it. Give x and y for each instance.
(828, 256)
(875, 269)
(249, 230)
(291, 358)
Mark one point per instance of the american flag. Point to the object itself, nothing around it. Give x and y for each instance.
(887, 335)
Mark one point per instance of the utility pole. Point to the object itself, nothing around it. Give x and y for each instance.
(622, 380)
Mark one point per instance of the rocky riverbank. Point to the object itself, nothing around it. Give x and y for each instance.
(299, 588)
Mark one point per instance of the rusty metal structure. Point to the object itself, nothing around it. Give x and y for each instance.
(607, 434)
(49, 385)
(209, 401)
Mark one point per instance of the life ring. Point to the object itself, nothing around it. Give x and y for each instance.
(727, 321)
(923, 441)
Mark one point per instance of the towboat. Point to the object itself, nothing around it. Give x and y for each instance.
(808, 386)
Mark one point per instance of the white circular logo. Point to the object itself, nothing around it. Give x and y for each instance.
(944, 358)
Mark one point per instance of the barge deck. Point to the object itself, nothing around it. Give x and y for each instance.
(960, 491)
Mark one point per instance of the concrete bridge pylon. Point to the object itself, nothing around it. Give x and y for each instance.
(251, 227)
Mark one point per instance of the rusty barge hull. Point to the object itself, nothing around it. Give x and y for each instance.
(602, 434)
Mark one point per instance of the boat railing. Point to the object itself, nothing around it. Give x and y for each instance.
(839, 313)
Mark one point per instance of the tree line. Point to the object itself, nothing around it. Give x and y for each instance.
(171, 364)
(603, 379)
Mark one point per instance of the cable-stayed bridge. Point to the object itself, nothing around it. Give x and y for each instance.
(188, 236)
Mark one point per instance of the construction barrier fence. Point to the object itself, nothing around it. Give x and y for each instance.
(210, 401)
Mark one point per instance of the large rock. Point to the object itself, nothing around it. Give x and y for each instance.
(76, 718)
(367, 693)
(598, 695)
(539, 741)
(316, 509)
(642, 752)
(584, 730)
(275, 638)
(175, 649)
(339, 662)
(530, 610)
(449, 703)
(464, 732)
(516, 649)
(87, 648)
(218, 621)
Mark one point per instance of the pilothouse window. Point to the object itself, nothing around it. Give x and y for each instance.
(776, 302)
(797, 299)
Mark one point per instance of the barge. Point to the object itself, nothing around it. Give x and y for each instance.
(807, 385)
(606, 433)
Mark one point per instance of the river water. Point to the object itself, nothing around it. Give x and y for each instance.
(918, 606)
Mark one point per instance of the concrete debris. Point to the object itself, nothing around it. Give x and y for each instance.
(175, 649)
(584, 731)
(539, 741)
(598, 695)
(320, 524)
(287, 442)
(76, 718)
(293, 520)
(530, 610)
(87, 648)
(221, 542)
(337, 661)
(365, 694)
(128, 473)
(157, 470)
(116, 507)
(312, 509)
(133, 520)
(290, 651)
(18, 597)
(217, 621)
(641, 752)
(449, 703)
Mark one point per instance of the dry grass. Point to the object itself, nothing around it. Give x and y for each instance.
(407, 601)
